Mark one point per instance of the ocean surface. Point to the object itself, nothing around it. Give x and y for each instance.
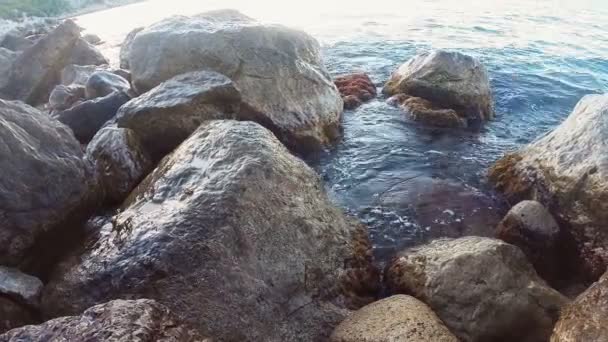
(408, 182)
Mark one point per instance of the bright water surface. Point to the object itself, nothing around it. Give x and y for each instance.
(405, 181)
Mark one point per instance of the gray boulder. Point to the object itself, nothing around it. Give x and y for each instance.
(44, 179)
(236, 236)
(482, 289)
(166, 115)
(279, 71)
(15, 42)
(120, 161)
(20, 287)
(7, 57)
(65, 97)
(449, 80)
(117, 321)
(103, 83)
(13, 315)
(86, 118)
(397, 318)
(566, 170)
(84, 53)
(125, 48)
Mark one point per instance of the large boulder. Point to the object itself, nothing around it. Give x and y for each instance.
(585, 318)
(236, 236)
(166, 115)
(36, 71)
(86, 118)
(120, 161)
(450, 80)
(125, 47)
(279, 71)
(117, 321)
(13, 315)
(566, 170)
(482, 289)
(104, 83)
(20, 287)
(44, 179)
(397, 318)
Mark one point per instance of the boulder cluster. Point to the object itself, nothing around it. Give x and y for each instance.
(165, 201)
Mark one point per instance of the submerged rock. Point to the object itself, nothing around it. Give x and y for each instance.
(397, 318)
(585, 318)
(119, 160)
(166, 115)
(355, 89)
(483, 289)
(279, 71)
(120, 321)
(567, 172)
(236, 236)
(65, 97)
(20, 287)
(86, 118)
(13, 315)
(449, 80)
(44, 179)
(421, 110)
(104, 83)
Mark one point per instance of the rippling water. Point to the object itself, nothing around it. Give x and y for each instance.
(406, 181)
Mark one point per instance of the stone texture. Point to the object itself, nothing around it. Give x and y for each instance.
(20, 287)
(85, 119)
(482, 289)
(120, 161)
(278, 70)
(355, 89)
(79, 74)
(44, 179)
(397, 318)
(7, 57)
(13, 315)
(530, 226)
(117, 321)
(566, 171)
(125, 48)
(585, 318)
(84, 53)
(104, 83)
(449, 80)
(15, 42)
(423, 111)
(166, 115)
(236, 236)
(65, 97)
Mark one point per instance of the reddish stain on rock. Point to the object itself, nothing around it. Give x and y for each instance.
(355, 89)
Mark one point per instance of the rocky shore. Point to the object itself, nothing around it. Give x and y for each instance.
(168, 201)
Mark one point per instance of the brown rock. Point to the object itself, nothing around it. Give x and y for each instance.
(421, 110)
(355, 89)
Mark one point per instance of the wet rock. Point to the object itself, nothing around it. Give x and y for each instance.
(20, 287)
(279, 71)
(355, 89)
(585, 318)
(35, 72)
(65, 97)
(43, 181)
(84, 53)
(104, 83)
(566, 171)
(166, 115)
(13, 315)
(125, 48)
(119, 160)
(449, 80)
(15, 42)
(92, 39)
(86, 118)
(482, 289)
(530, 226)
(423, 111)
(397, 318)
(120, 320)
(236, 236)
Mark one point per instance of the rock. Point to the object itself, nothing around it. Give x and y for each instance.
(166, 115)
(449, 80)
(119, 160)
(92, 39)
(566, 172)
(482, 289)
(355, 89)
(236, 236)
(86, 118)
(44, 179)
(125, 48)
(15, 42)
(103, 83)
(19, 286)
(119, 321)
(397, 318)
(79, 74)
(36, 71)
(279, 71)
(13, 315)
(84, 53)
(7, 57)
(65, 97)
(421, 110)
(585, 318)
(529, 226)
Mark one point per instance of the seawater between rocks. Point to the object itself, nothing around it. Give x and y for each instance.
(408, 182)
